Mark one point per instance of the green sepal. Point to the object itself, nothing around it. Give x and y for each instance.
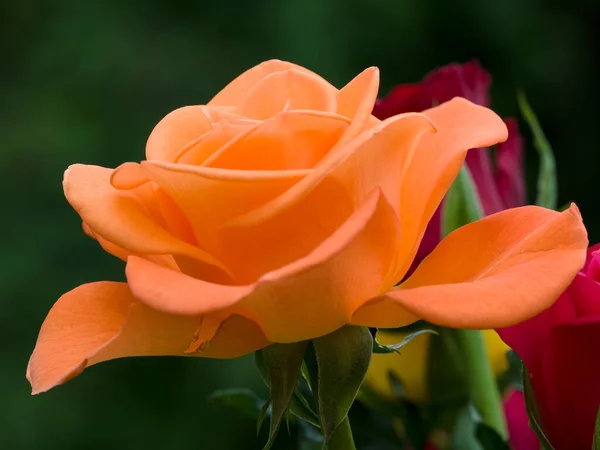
(462, 205)
(283, 362)
(395, 348)
(264, 413)
(547, 184)
(531, 408)
(299, 405)
(342, 358)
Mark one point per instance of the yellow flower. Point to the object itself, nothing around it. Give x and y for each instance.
(410, 366)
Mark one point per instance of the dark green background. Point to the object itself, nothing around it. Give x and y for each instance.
(84, 81)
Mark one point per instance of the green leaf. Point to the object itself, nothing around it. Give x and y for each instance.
(532, 411)
(283, 362)
(242, 400)
(463, 431)
(343, 358)
(394, 348)
(489, 438)
(462, 205)
(596, 442)
(446, 375)
(259, 360)
(547, 184)
(513, 377)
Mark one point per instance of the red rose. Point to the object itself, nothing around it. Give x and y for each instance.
(500, 183)
(560, 349)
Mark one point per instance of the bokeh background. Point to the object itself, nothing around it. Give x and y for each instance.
(87, 81)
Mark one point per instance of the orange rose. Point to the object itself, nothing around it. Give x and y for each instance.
(283, 210)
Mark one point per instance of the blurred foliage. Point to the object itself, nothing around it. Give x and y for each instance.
(87, 81)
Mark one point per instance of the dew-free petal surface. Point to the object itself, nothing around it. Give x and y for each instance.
(100, 321)
(290, 140)
(429, 172)
(210, 197)
(119, 216)
(308, 298)
(334, 190)
(357, 98)
(236, 90)
(492, 273)
(509, 161)
(198, 151)
(287, 90)
(175, 130)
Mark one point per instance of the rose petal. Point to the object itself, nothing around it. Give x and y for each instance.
(121, 253)
(434, 164)
(361, 120)
(128, 176)
(175, 130)
(120, 218)
(311, 297)
(287, 90)
(209, 197)
(289, 141)
(526, 338)
(367, 163)
(492, 273)
(236, 90)
(356, 97)
(521, 436)
(207, 145)
(100, 321)
(479, 162)
(570, 407)
(509, 160)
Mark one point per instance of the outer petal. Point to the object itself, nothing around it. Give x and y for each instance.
(120, 218)
(100, 321)
(287, 90)
(289, 141)
(121, 253)
(521, 436)
(492, 273)
(309, 298)
(570, 392)
(235, 91)
(526, 338)
(434, 164)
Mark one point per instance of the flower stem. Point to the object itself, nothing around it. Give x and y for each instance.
(342, 438)
(482, 383)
